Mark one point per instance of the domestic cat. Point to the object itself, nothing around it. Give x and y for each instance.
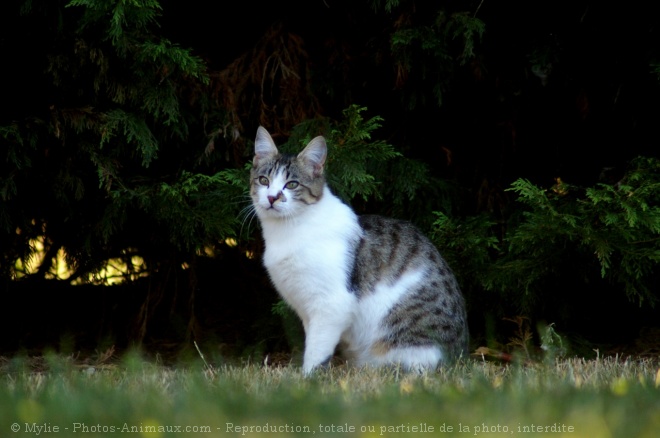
(375, 287)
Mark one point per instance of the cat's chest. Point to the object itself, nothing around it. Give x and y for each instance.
(305, 250)
(310, 257)
(310, 271)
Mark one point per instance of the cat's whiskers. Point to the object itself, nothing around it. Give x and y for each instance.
(250, 214)
(247, 214)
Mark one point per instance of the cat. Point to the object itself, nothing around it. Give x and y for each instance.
(375, 288)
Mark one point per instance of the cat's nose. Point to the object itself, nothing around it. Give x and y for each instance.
(272, 199)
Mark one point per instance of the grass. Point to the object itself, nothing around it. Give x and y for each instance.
(57, 396)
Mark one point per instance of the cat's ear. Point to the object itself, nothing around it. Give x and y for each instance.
(314, 155)
(264, 146)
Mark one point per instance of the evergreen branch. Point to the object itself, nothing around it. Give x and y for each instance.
(134, 130)
(170, 56)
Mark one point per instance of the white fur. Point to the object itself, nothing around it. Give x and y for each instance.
(411, 358)
(370, 312)
(367, 329)
(307, 256)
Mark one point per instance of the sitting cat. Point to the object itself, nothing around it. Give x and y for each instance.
(376, 287)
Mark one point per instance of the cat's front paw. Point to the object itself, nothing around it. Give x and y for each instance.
(308, 369)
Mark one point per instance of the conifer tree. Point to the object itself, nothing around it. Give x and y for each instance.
(104, 164)
(124, 160)
(121, 147)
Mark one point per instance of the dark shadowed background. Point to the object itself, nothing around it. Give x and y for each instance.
(126, 128)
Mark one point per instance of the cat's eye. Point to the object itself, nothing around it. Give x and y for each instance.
(263, 181)
(291, 185)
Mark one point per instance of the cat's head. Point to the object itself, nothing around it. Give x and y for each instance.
(283, 185)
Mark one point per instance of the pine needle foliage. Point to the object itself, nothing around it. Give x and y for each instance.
(428, 47)
(116, 144)
(355, 158)
(195, 209)
(361, 168)
(618, 224)
(564, 237)
(469, 244)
